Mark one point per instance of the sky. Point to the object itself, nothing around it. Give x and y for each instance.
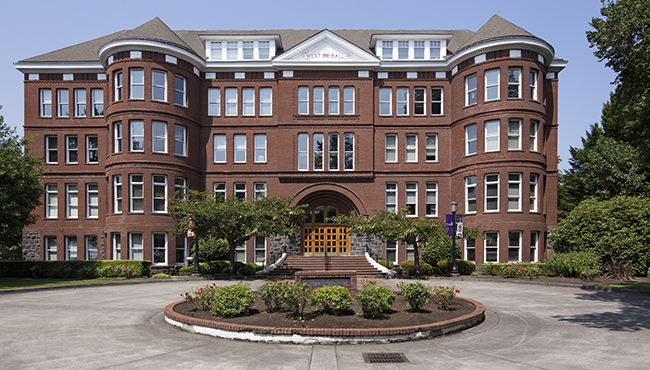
(33, 27)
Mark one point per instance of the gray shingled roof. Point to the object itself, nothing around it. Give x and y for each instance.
(495, 28)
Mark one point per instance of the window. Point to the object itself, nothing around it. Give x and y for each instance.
(135, 246)
(51, 201)
(470, 250)
(117, 137)
(92, 200)
(117, 246)
(491, 246)
(264, 49)
(391, 251)
(259, 141)
(436, 101)
(51, 150)
(91, 247)
(303, 152)
(117, 193)
(240, 253)
(137, 136)
(266, 101)
(80, 103)
(214, 102)
(470, 140)
(159, 193)
(220, 190)
(534, 125)
(431, 199)
(391, 196)
(46, 102)
(215, 50)
(260, 190)
(303, 100)
(514, 192)
(63, 102)
(159, 137)
(492, 136)
(181, 250)
(514, 246)
(492, 192)
(534, 246)
(71, 248)
(248, 49)
(92, 151)
(411, 148)
(231, 101)
(418, 50)
(410, 251)
(260, 249)
(248, 101)
(159, 252)
(431, 147)
(136, 203)
(232, 50)
(470, 90)
(387, 50)
(402, 50)
(240, 190)
(50, 248)
(71, 153)
(72, 201)
(240, 148)
(419, 98)
(333, 96)
(179, 140)
(435, 47)
(348, 147)
(402, 101)
(492, 84)
(348, 100)
(514, 134)
(333, 151)
(532, 84)
(534, 180)
(391, 148)
(118, 85)
(179, 91)
(137, 84)
(412, 198)
(318, 152)
(514, 83)
(470, 194)
(319, 100)
(385, 95)
(98, 102)
(180, 188)
(220, 148)
(159, 85)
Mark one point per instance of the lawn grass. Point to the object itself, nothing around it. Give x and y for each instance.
(7, 283)
(631, 285)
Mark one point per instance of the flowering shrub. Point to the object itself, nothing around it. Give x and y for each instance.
(444, 295)
(375, 300)
(273, 295)
(201, 297)
(333, 299)
(296, 296)
(232, 300)
(368, 281)
(125, 270)
(416, 295)
(514, 270)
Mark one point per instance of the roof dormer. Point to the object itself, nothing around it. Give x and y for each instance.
(410, 47)
(246, 48)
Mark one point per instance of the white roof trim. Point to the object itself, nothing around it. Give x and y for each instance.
(44, 67)
(405, 37)
(129, 44)
(524, 44)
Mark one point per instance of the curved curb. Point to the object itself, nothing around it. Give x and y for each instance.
(323, 335)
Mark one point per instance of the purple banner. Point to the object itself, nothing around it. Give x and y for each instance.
(449, 221)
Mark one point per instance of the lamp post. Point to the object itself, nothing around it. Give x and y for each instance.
(454, 269)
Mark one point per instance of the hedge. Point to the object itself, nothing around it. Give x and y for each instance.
(498, 269)
(221, 267)
(74, 269)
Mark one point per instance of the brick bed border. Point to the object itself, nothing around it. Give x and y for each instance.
(323, 335)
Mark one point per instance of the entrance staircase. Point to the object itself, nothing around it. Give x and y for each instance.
(293, 264)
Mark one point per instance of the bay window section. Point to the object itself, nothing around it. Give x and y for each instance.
(63, 102)
(136, 203)
(492, 136)
(159, 193)
(117, 137)
(159, 85)
(220, 148)
(180, 188)
(514, 192)
(137, 136)
(92, 200)
(534, 125)
(514, 83)
(534, 246)
(240, 148)
(117, 78)
(159, 249)
(533, 189)
(214, 101)
(348, 151)
(180, 138)
(470, 140)
(492, 84)
(180, 91)
(159, 137)
(333, 151)
(470, 194)
(259, 140)
(470, 90)
(514, 134)
(136, 247)
(136, 79)
(532, 85)
(117, 194)
(514, 246)
(491, 246)
(318, 151)
(492, 192)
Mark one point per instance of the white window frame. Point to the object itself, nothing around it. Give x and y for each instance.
(180, 91)
(437, 96)
(348, 151)
(72, 201)
(471, 139)
(136, 87)
(219, 188)
(514, 191)
(514, 83)
(431, 199)
(470, 195)
(402, 102)
(411, 148)
(240, 253)
(303, 152)
(266, 101)
(119, 86)
(260, 190)
(534, 129)
(51, 149)
(534, 246)
(180, 188)
(92, 149)
(71, 248)
(116, 241)
(532, 85)
(387, 50)
(71, 149)
(117, 193)
(136, 136)
(97, 96)
(348, 99)
(431, 147)
(391, 148)
(470, 245)
(259, 142)
(533, 192)
(403, 50)
(239, 190)
(90, 255)
(514, 134)
(419, 101)
(220, 147)
(492, 84)
(411, 198)
(303, 100)
(159, 193)
(80, 103)
(333, 147)
(492, 136)
(239, 148)
(494, 244)
(333, 97)
(391, 249)
(492, 183)
(514, 244)
(136, 246)
(63, 102)
(418, 49)
(180, 140)
(92, 200)
(117, 137)
(181, 250)
(158, 137)
(391, 197)
(248, 101)
(318, 155)
(214, 101)
(45, 102)
(50, 248)
(133, 185)
(156, 248)
(318, 106)
(471, 91)
(51, 201)
(260, 249)
(157, 87)
(385, 105)
(231, 101)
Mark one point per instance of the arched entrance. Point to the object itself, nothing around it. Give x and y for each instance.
(320, 236)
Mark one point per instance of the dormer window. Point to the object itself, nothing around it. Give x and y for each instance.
(240, 50)
(410, 49)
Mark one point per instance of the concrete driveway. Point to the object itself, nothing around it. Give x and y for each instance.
(527, 326)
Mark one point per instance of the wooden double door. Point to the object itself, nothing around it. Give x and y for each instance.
(321, 236)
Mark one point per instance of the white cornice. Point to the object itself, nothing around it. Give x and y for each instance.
(536, 45)
(278, 40)
(59, 67)
(149, 45)
(405, 37)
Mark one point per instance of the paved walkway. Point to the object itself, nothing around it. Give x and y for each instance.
(526, 327)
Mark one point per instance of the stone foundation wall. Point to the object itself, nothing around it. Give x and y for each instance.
(31, 245)
(360, 244)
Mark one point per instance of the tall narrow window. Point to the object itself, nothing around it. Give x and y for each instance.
(333, 151)
(318, 151)
(534, 125)
(231, 101)
(181, 250)
(232, 50)
(240, 148)
(470, 250)
(259, 141)
(248, 101)
(92, 200)
(303, 152)
(411, 148)
(98, 102)
(71, 155)
(470, 139)
(264, 49)
(436, 101)
(514, 192)
(492, 84)
(534, 181)
(92, 151)
(266, 101)
(348, 100)
(135, 247)
(180, 188)
(391, 251)
(260, 190)
(50, 248)
(51, 201)
(434, 50)
(514, 134)
(470, 194)
(136, 79)
(117, 194)
(180, 139)
(402, 101)
(159, 85)
(491, 246)
(117, 137)
(492, 192)
(432, 199)
(214, 101)
(215, 50)
(387, 50)
(514, 83)
(303, 100)
(248, 49)
(220, 148)
(71, 248)
(492, 136)
(532, 85)
(385, 94)
(240, 190)
(431, 147)
(180, 91)
(319, 100)
(260, 249)
(514, 246)
(137, 136)
(45, 102)
(348, 151)
(333, 96)
(220, 191)
(51, 149)
(419, 100)
(159, 249)
(72, 201)
(402, 49)
(534, 246)
(91, 247)
(159, 137)
(391, 196)
(470, 90)
(136, 193)
(391, 148)
(80, 102)
(159, 193)
(117, 245)
(240, 253)
(418, 49)
(63, 102)
(118, 85)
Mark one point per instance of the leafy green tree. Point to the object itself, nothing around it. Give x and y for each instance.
(234, 219)
(213, 249)
(20, 190)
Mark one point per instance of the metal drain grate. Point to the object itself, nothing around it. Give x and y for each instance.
(385, 358)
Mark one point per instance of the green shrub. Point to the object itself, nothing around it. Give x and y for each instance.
(464, 267)
(375, 300)
(72, 269)
(531, 269)
(444, 295)
(232, 300)
(438, 250)
(409, 267)
(386, 264)
(160, 276)
(272, 294)
(398, 270)
(296, 296)
(202, 298)
(220, 267)
(333, 299)
(213, 249)
(571, 264)
(416, 295)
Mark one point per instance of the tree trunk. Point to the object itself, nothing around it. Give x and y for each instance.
(416, 253)
(231, 248)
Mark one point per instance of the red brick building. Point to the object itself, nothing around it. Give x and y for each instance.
(346, 120)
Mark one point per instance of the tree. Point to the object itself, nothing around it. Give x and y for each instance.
(20, 190)
(234, 219)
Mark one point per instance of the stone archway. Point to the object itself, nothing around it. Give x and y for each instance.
(320, 236)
